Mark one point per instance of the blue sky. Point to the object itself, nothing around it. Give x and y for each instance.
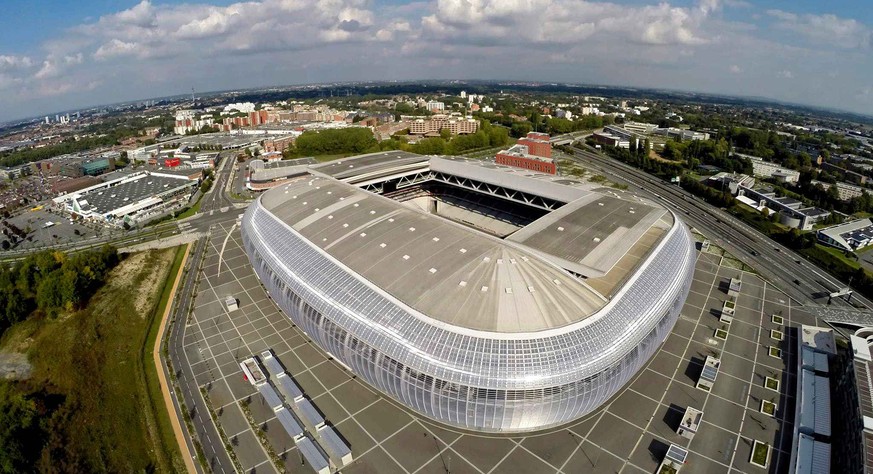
(57, 55)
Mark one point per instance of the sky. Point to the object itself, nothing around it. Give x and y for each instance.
(58, 55)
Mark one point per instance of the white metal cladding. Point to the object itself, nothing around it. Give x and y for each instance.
(485, 381)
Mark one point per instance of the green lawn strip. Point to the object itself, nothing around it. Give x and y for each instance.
(191, 210)
(166, 438)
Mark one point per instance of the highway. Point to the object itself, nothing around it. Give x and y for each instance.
(799, 278)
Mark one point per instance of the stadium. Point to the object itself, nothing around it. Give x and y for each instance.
(484, 297)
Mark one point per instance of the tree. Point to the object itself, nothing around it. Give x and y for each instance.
(20, 433)
(520, 129)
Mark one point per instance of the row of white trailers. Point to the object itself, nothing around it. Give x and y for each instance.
(323, 449)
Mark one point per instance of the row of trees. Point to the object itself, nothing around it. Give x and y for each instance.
(360, 140)
(51, 281)
(535, 121)
(638, 155)
(336, 141)
(708, 152)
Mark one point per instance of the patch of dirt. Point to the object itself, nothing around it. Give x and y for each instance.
(14, 366)
(143, 271)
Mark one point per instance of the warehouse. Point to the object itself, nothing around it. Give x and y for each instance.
(130, 200)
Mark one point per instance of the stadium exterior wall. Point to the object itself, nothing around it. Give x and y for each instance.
(492, 382)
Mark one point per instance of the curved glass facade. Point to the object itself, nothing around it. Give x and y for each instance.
(495, 382)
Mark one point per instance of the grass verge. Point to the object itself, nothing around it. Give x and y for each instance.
(191, 210)
(165, 436)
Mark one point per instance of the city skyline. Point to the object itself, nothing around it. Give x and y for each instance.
(97, 53)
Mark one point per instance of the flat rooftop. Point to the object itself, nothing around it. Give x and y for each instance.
(464, 277)
(371, 163)
(108, 199)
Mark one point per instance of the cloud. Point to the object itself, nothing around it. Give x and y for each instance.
(566, 22)
(55, 66)
(153, 49)
(825, 29)
(10, 62)
(114, 48)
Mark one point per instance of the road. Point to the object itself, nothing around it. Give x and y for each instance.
(206, 431)
(217, 198)
(801, 279)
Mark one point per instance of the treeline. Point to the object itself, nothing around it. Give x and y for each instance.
(51, 281)
(709, 152)
(335, 141)
(70, 145)
(487, 136)
(711, 195)
(638, 156)
(553, 126)
(358, 140)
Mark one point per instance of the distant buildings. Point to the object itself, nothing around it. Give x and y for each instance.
(849, 236)
(435, 106)
(640, 128)
(681, 134)
(278, 144)
(187, 121)
(434, 124)
(88, 168)
(791, 211)
(766, 169)
(730, 181)
(846, 191)
(619, 137)
(845, 174)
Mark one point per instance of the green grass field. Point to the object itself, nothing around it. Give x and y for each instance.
(94, 371)
(191, 210)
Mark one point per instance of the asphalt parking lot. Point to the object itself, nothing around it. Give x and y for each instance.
(629, 434)
(61, 231)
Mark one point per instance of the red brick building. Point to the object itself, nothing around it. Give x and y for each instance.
(278, 144)
(258, 117)
(537, 144)
(520, 157)
(172, 162)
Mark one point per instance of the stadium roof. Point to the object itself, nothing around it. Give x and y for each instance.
(466, 278)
